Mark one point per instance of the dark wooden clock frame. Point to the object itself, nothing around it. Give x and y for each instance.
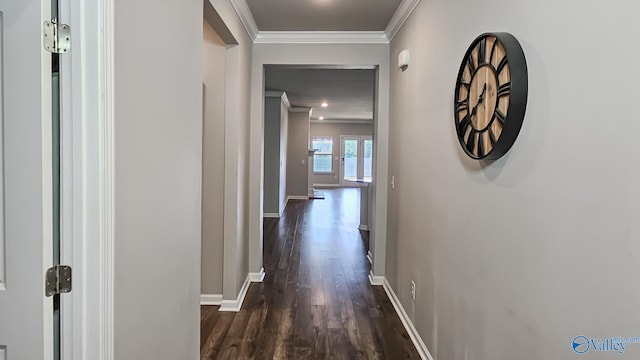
(518, 91)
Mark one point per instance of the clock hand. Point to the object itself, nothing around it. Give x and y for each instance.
(480, 99)
(484, 90)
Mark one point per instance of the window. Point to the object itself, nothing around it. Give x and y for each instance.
(323, 157)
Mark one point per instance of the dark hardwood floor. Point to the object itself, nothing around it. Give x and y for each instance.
(316, 300)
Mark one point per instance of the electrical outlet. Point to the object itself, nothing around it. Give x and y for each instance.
(413, 290)
(393, 182)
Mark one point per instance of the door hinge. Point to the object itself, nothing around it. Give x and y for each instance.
(56, 37)
(58, 280)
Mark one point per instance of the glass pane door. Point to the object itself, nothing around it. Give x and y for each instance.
(368, 159)
(350, 159)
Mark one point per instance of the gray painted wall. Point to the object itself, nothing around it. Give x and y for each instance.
(236, 161)
(298, 154)
(514, 258)
(158, 180)
(275, 141)
(335, 130)
(214, 53)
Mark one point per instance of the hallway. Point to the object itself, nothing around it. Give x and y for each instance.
(316, 300)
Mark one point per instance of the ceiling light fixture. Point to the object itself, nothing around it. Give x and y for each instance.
(321, 118)
(324, 104)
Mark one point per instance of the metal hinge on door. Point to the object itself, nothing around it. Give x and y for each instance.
(56, 37)
(58, 280)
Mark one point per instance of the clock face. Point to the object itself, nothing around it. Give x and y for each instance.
(490, 96)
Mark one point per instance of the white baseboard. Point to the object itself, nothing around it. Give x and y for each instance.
(257, 277)
(297, 197)
(375, 279)
(406, 321)
(210, 299)
(326, 186)
(236, 305)
(363, 227)
(271, 215)
(370, 257)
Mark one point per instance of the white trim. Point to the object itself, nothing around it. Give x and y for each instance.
(107, 173)
(400, 17)
(370, 257)
(363, 227)
(297, 197)
(300, 109)
(257, 277)
(285, 100)
(422, 349)
(271, 215)
(273, 93)
(210, 299)
(321, 37)
(284, 207)
(236, 305)
(325, 186)
(281, 94)
(338, 121)
(375, 280)
(246, 17)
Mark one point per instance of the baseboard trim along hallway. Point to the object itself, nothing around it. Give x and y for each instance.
(236, 305)
(375, 279)
(210, 299)
(406, 321)
(257, 277)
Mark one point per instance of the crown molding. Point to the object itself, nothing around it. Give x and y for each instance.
(321, 37)
(279, 94)
(273, 93)
(398, 19)
(300, 109)
(246, 17)
(345, 121)
(285, 100)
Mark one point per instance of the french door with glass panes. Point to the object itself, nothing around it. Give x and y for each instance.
(357, 159)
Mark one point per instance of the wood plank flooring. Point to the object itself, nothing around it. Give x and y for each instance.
(316, 301)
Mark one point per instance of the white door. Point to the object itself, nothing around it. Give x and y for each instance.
(357, 159)
(26, 325)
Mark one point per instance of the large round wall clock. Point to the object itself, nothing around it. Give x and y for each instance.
(491, 95)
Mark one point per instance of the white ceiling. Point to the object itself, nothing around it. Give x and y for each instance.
(322, 15)
(348, 92)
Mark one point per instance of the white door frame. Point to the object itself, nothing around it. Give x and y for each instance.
(87, 115)
(360, 139)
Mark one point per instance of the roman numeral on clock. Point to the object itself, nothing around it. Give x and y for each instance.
(462, 105)
(504, 89)
(481, 144)
(464, 124)
(482, 52)
(501, 117)
(502, 65)
(471, 140)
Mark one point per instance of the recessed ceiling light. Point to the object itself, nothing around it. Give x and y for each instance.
(321, 118)
(324, 104)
